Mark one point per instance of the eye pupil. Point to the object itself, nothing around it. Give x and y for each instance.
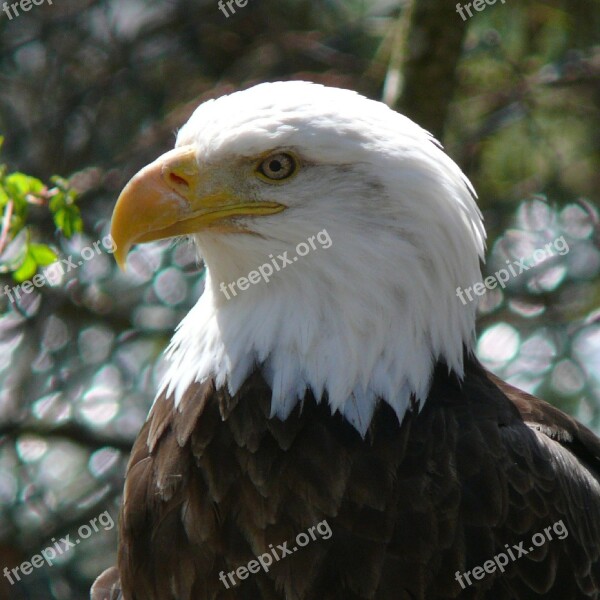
(278, 166)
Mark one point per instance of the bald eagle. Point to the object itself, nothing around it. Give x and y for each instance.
(324, 430)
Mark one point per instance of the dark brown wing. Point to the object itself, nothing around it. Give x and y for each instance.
(550, 473)
(555, 424)
(566, 461)
(481, 469)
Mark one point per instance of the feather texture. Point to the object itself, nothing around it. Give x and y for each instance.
(481, 468)
(343, 391)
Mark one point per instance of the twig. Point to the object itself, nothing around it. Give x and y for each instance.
(70, 431)
(8, 211)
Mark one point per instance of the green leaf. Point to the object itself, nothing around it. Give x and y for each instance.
(20, 257)
(60, 182)
(3, 197)
(27, 269)
(19, 184)
(36, 255)
(57, 202)
(60, 218)
(42, 254)
(68, 220)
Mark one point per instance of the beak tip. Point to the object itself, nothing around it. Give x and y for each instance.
(120, 256)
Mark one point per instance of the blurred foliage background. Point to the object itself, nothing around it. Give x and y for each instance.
(95, 89)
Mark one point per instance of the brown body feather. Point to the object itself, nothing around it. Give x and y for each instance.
(482, 466)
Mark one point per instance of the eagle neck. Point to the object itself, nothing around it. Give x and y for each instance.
(345, 324)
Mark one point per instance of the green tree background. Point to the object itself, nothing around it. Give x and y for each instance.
(95, 89)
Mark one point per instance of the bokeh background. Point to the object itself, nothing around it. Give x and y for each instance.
(95, 89)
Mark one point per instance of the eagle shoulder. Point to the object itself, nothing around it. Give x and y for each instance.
(214, 481)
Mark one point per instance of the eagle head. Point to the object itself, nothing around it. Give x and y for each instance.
(335, 233)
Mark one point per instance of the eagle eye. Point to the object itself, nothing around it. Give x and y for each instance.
(278, 166)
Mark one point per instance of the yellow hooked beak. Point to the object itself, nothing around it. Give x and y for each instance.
(172, 197)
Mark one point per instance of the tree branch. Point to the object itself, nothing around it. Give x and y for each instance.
(73, 432)
(433, 47)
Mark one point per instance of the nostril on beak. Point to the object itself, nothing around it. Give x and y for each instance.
(178, 181)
